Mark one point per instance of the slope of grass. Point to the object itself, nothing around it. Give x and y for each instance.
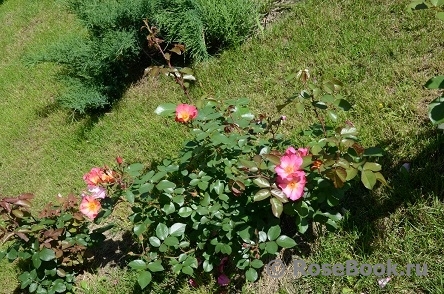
(381, 53)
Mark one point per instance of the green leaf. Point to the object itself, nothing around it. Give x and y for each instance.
(154, 241)
(166, 186)
(261, 182)
(273, 232)
(343, 104)
(320, 105)
(146, 188)
(12, 254)
(129, 196)
(261, 195)
(271, 247)
(257, 263)
(279, 195)
(333, 116)
(188, 270)
(372, 166)
(161, 231)
(185, 211)
(440, 15)
(32, 287)
(137, 264)
(368, 178)
(144, 279)
(373, 151)
(163, 248)
(59, 286)
(171, 241)
(351, 173)
(135, 169)
(139, 229)
(46, 254)
(251, 274)
(285, 242)
(165, 109)
(177, 229)
(302, 225)
(207, 266)
(276, 207)
(300, 107)
(218, 187)
(436, 110)
(36, 261)
(435, 83)
(302, 208)
(169, 208)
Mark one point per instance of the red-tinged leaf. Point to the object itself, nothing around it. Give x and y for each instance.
(26, 196)
(22, 236)
(24, 203)
(279, 195)
(336, 178)
(341, 174)
(273, 158)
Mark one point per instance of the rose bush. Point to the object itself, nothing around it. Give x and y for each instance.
(218, 206)
(225, 193)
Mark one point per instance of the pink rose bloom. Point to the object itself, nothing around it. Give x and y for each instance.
(293, 187)
(289, 165)
(90, 207)
(94, 177)
(223, 280)
(303, 151)
(97, 191)
(300, 151)
(185, 113)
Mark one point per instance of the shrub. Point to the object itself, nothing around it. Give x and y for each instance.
(226, 199)
(237, 183)
(98, 66)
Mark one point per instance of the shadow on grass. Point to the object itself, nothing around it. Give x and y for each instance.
(423, 177)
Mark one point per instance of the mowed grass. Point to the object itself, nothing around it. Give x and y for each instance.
(381, 53)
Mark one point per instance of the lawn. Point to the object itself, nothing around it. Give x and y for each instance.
(382, 54)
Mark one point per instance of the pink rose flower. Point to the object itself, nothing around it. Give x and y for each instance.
(185, 113)
(97, 191)
(289, 164)
(300, 151)
(94, 177)
(223, 280)
(293, 187)
(90, 207)
(303, 151)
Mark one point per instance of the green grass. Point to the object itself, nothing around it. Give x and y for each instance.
(380, 52)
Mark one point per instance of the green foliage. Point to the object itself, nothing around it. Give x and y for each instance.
(206, 25)
(99, 65)
(53, 245)
(221, 197)
(436, 107)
